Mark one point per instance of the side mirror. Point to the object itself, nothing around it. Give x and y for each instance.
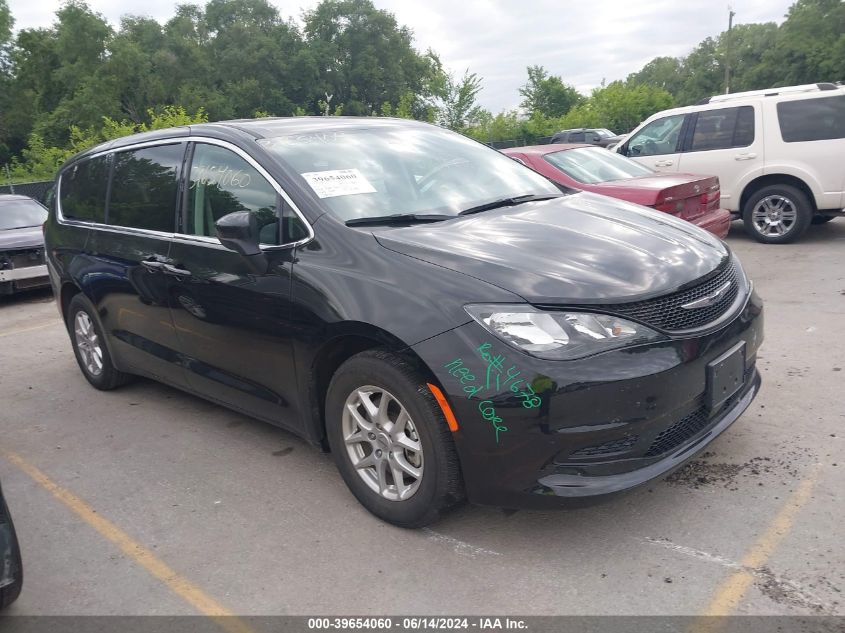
(238, 232)
(624, 149)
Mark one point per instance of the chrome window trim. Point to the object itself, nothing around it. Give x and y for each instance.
(185, 236)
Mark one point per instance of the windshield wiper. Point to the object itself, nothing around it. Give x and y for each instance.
(508, 202)
(400, 218)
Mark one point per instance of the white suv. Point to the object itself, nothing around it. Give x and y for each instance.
(779, 154)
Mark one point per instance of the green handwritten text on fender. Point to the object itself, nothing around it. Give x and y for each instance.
(493, 380)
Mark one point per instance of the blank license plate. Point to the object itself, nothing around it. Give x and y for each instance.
(725, 376)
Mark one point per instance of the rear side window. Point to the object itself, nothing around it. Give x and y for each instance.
(812, 119)
(83, 190)
(723, 128)
(576, 137)
(144, 188)
(221, 182)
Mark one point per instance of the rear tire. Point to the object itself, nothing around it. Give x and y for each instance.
(390, 440)
(777, 214)
(89, 346)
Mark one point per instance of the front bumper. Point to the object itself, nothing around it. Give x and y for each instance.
(21, 270)
(535, 433)
(30, 272)
(576, 486)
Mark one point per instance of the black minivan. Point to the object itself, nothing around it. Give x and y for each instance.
(447, 322)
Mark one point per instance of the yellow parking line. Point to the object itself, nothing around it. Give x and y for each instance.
(178, 584)
(732, 589)
(30, 328)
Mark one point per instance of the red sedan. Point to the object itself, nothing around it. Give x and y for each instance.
(590, 168)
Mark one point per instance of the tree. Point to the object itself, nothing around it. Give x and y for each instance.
(745, 48)
(6, 23)
(363, 57)
(619, 106)
(459, 108)
(547, 95)
(660, 72)
(805, 50)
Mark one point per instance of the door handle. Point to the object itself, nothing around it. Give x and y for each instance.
(152, 265)
(663, 163)
(747, 156)
(176, 272)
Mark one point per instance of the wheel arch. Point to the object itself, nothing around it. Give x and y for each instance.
(776, 179)
(66, 294)
(342, 345)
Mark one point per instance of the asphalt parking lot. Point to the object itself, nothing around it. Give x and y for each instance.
(146, 500)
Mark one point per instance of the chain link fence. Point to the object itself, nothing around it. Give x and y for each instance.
(543, 140)
(37, 190)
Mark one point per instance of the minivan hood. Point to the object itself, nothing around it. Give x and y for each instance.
(26, 237)
(580, 248)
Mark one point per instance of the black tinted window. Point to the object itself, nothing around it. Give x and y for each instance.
(221, 183)
(83, 190)
(723, 128)
(576, 137)
(144, 188)
(812, 119)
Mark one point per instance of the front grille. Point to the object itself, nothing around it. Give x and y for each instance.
(615, 446)
(690, 425)
(26, 258)
(679, 432)
(666, 313)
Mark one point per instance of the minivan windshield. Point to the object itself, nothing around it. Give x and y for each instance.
(378, 171)
(18, 214)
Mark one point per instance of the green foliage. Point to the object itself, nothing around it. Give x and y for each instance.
(547, 95)
(363, 58)
(810, 43)
(618, 106)
(808, 47)
(458, 98)
(82, 81)
(232, 58)
(39, 161)
(6, 23)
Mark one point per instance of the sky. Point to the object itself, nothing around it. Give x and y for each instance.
(582, 42)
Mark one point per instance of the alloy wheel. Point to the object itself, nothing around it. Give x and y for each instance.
(774, 216)
(88, 344)
(382, 443)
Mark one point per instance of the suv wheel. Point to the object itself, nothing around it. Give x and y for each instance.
(89, 346)
(777, 214)
(390, 440)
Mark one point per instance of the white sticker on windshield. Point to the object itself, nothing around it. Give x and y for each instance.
(338, 182)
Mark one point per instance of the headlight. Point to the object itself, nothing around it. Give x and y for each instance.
(559, 335)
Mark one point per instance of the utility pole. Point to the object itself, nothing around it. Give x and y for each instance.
(731, 15)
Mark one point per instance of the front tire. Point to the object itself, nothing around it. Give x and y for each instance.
(390, 441)
(10, 593)
(777, 214)
(89, 346)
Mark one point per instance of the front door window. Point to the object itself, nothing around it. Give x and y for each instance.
(658, 137)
